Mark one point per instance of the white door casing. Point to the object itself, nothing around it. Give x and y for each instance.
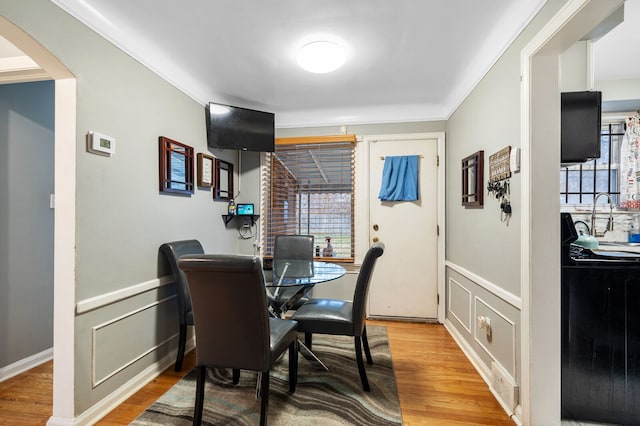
(409, 277)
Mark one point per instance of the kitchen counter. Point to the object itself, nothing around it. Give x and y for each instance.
(600, 329)
(618, 246)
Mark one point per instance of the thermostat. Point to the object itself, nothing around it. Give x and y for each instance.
(98, 143)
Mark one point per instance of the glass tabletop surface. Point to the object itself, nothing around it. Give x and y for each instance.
(296, 272)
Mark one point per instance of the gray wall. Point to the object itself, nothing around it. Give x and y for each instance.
(121, 216)
(483, 253)
(26, 220)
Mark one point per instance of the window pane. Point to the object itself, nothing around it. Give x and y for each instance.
(587, 199)
(580, 186)
(587, 181)
(602, 181)
(573, 199)
(604, 151)
(573, 181)
(308, 189)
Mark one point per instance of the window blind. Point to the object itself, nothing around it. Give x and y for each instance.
(308, 189)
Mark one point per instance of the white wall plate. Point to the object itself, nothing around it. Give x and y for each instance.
(98, 143)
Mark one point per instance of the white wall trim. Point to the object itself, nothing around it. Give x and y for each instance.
(481, 368)
(469, 307)
(105, 299)
(513, 335)
(540, 375)
(18, 63)
(117, 397)
(64, 276)
(492, 288)
(94, 334)
(25, 364)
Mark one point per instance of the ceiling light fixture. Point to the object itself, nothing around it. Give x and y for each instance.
(321, 56)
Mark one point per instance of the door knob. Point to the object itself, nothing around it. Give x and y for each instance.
(375, 239)
(375, 227)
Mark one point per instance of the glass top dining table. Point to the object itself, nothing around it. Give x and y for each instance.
(296, 272)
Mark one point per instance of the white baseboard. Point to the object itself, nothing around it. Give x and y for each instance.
(25, 364)
(483, 370)
(117, 397)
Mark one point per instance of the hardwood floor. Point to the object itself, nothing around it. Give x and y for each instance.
(437, 385)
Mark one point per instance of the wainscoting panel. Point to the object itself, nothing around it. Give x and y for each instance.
(460, 303)
(502, 330)
(113, 349)
(470, 297)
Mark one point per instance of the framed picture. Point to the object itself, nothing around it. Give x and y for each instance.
(472, 180)
(223, 190)
(205, 170)
(176, 167)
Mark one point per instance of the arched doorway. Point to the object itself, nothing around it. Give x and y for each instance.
(64, 215)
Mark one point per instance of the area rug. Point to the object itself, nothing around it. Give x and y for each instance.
(333, 397)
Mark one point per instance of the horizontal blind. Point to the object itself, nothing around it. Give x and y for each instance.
(308, 189)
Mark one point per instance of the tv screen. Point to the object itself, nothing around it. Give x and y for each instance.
(580, 122)
(230, 127)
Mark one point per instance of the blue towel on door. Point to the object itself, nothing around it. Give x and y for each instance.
(399, 178)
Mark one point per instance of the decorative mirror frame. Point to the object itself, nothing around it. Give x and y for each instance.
(223, 189)
(176, 167)
(473, 180)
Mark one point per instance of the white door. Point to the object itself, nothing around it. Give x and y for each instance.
(405, 282)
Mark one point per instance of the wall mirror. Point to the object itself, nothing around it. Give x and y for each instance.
(176, 167)
(223, 189)
(472, 180)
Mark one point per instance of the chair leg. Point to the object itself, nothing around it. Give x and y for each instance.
(236, 376)
(293, 365)
(361, 370)
(182, 342)
(365, 343)
(197, 412)
(308, 340)
(264, 398)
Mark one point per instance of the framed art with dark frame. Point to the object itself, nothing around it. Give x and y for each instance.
(176, 167)
(223, 190)
(472, 180)
(205, 170)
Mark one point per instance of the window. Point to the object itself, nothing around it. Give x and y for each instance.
(579, 183)
(307, 188)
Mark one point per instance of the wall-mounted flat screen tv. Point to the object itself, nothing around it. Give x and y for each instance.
(580, 122)
(230, 127)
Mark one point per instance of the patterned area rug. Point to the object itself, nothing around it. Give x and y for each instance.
(322, 397)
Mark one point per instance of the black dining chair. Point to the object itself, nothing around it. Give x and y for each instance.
(233, 328)
(293, 257)
(341, 317)
(172, 252)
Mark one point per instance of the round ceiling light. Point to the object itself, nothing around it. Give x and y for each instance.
(321, 56)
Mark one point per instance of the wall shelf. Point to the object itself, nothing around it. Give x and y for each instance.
(229, 217)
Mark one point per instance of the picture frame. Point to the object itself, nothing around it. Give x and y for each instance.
(206, 166)
(223, 190)
(473, 180)
(176, 167)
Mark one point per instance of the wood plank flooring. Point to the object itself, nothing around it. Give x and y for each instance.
(437, 385)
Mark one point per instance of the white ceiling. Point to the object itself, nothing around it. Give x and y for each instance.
(408, 59)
